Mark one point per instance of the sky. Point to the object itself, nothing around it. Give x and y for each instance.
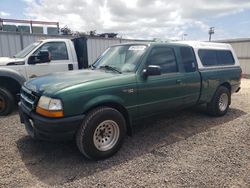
(141, 19)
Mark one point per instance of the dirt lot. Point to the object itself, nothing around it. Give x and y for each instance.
(185, 149)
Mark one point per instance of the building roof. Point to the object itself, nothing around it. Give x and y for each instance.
(234, 40)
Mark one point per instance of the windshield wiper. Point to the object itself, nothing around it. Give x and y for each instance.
(110, 68)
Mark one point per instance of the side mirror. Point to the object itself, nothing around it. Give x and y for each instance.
(42, 57)
(152, 70)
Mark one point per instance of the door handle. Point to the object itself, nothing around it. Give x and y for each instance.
(178, 81)
(70, 67)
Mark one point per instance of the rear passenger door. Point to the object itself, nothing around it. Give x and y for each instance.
(191, 79)
(161, 92)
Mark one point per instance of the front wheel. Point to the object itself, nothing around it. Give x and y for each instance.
(101, 133)
(220, 102)
(7, 103)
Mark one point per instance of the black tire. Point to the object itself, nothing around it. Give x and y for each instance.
(213, 108)
(7, 102)
(92, 122)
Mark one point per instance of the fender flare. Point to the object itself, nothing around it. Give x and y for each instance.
(110, 99)
(10, 73)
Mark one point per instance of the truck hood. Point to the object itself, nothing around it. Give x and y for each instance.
(13, 61)
(52, 83)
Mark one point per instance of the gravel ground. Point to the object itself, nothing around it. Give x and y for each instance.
(189, 149)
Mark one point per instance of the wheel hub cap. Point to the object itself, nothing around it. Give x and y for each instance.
(106, 135)
(223, 102)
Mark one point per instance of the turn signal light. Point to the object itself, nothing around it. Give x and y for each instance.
(49, 113)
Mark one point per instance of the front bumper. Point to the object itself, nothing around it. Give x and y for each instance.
(49, 128)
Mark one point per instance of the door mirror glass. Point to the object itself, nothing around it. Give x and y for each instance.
(42, 57)
(152, 70)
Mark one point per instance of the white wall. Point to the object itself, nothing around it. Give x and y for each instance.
(242, 50)
(245, 65)
(12, 42)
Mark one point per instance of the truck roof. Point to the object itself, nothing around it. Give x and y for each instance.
(150, 43)
(197, 45)
(54, 40)
(205, 45)
(193, 44)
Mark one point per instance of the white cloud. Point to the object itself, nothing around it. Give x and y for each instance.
(2, 13)
(134, 18)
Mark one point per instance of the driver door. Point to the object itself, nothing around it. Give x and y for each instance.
(59, 60)
(162, 92)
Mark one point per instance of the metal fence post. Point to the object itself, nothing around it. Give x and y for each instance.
(1, 24)
(58, 29)
(21, 40)
(31, 26)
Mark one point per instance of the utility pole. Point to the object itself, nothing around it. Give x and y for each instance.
(210, 32)
(184, 35)
(1, 24)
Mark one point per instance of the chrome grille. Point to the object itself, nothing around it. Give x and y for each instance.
(28, 99)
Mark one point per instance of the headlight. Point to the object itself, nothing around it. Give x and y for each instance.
(49, 103)
(50, 107)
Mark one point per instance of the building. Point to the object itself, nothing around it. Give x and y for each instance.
(242, 49)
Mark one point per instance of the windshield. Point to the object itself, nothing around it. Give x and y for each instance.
(26, 50)
(121, 58)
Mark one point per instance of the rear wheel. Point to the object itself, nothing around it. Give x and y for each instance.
(220, 102)
(7, 102)
(101, 133)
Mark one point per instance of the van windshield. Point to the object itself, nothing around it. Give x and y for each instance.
(121, 59)
(26, 50)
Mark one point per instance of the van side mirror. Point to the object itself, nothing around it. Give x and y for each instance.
(42, 57)
(152, 70)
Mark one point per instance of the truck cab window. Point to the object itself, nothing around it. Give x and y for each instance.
(188, 59)
(216, 57)
(208, 57)
(163, 57)
(225, 57)
(57, 50)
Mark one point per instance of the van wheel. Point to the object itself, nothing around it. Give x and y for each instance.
(101, 133)
(220, 102)
(7, 102)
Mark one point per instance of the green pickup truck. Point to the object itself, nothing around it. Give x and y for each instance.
(97, 107)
